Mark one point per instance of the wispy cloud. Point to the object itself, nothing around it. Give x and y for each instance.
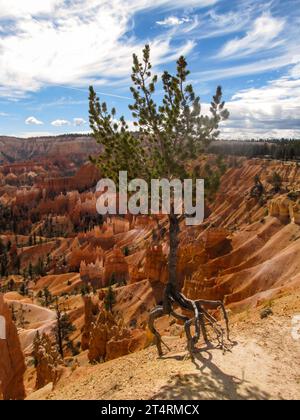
(216, 23)
(57, 42)
(173, 21)
(61, 102)
(257, 67)
(67, 45)
(17, 8)
(263, 35)
(33, 121)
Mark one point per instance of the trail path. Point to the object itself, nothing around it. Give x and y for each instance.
(264, 363)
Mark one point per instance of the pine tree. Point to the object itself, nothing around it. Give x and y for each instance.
(63, 329)
(113, 279)
(23, 289)
(36, 346)
(8, 246)
(40, 267)
(47, 295)
(11, 285)
(109, 299)
(276, 181)
(2, 247)
(4, 265)
(21, 317)
(30, 270)
(170, 134)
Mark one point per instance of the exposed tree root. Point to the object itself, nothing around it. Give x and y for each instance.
(201, 319)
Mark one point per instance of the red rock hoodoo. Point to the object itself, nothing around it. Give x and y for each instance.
(12, 366)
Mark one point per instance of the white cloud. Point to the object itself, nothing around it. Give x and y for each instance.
(33, 121)
(263, 35)
(213, 24)
(295, 71)
(60, 123)
(79, 122)
(247, 134)
(58, 42)
(170, 4)
(173, 21)
(256, 67)
(270, 111)
(28, 134)
(16, 8)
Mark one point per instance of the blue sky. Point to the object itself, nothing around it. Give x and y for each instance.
(51, 50)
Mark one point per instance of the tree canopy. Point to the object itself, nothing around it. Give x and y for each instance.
(169, 133)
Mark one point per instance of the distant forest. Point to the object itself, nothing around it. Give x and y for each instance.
(283, 149)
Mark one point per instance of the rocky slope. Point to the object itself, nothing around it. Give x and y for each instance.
(246, 253)
(14, 150)
(263, 364)
(264, 234)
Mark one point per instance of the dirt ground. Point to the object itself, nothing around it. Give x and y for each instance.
(263, 364)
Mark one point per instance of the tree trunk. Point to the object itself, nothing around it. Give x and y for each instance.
(59, 334)
(171, 287)
(174, 242)
(172, 296)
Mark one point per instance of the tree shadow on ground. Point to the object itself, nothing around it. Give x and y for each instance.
(210, 384)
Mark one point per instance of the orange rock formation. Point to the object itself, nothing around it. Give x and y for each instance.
(12, 366)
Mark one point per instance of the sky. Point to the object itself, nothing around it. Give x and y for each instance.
(52, 50)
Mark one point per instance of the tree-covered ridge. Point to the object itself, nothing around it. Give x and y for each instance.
(283, 149)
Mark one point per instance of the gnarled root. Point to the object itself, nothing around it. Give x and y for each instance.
(156, 313)
(201, 318)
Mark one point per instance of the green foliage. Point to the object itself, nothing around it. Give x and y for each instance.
(30, 270)
(24, 289)
(258, 190)
(221, 164)
(4, 265)
(40, 268)
(212, 185)
(64, 328)
(283, 149)
(170, 134)
(113, 279)
(2, 247)
(45, 296)
(276, 181)
(11, 285)
(85, 290)
(109, 299)
(212, 178)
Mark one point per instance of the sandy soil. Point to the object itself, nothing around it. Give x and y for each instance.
(264, 363)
